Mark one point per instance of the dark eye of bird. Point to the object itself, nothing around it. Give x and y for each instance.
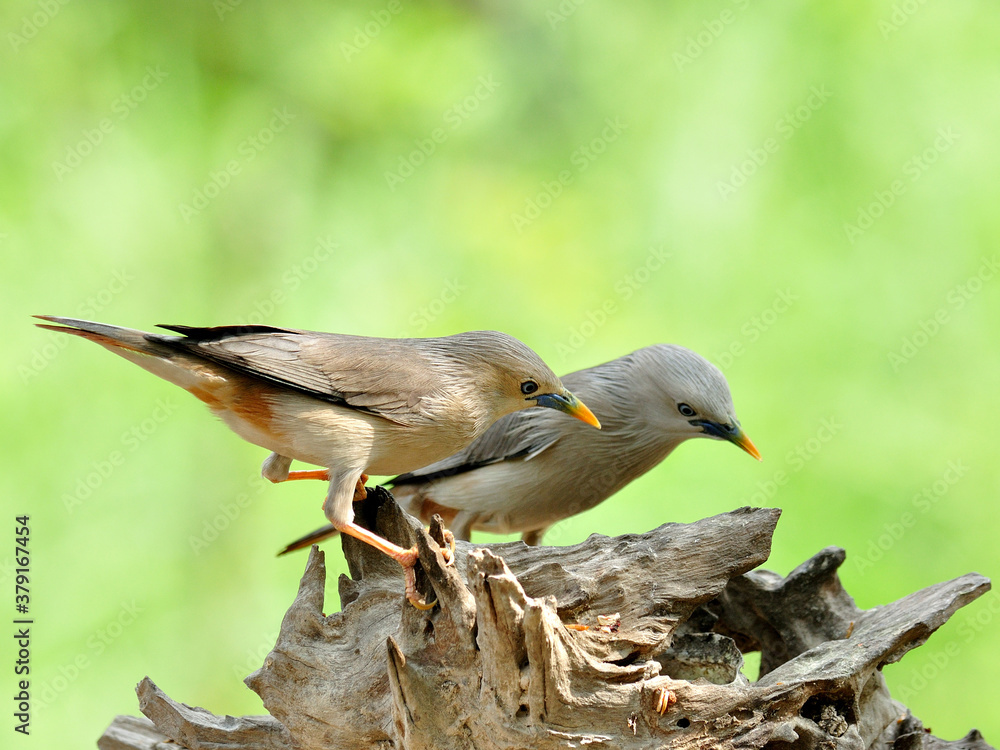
(686, 410)
(528, 387)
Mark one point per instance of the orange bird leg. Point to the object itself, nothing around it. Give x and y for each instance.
(405, 557)
(322, 474)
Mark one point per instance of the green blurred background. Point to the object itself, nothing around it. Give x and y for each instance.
(807, 195)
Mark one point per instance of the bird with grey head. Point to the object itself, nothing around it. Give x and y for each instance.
(531, 470)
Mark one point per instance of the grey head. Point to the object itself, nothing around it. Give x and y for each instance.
(685, 396)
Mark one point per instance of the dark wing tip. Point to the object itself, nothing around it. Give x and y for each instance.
(417, 477)
(215, 333)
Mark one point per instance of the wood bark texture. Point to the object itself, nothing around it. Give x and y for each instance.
(500, 663)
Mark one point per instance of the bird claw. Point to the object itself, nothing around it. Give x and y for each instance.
(411, 585)
(421, 605)
(664, 700)
(448, 553)
(360, 493)
(410, 559)
(407, 558)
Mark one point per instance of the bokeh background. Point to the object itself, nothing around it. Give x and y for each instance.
(807, 195)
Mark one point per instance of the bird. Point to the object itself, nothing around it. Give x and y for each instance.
(530, 471)
(354, 405)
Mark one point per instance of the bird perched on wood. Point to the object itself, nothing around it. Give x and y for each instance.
(530, 470)
(352, 404)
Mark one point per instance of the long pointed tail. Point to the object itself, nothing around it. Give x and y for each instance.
(173, 364)
(309, 539)
(113, 337)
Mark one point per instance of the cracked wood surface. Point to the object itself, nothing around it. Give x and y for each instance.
(494, 665)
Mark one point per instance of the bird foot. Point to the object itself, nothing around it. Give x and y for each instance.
(448, 553)
(360, 493)
(663, 700)
(411, 592)
(408, 559)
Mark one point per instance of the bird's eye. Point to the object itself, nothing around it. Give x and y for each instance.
(528, 387)
(686, 410)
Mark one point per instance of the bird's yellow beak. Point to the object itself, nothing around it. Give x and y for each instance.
(570, 404)
(746, 444)
(729, 431)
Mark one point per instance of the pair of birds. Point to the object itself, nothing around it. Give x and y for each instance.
(453, 417)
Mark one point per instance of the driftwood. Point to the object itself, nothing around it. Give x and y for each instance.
(502, 663)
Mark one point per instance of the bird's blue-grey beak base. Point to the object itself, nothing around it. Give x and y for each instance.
(731, 432)
(568, 403)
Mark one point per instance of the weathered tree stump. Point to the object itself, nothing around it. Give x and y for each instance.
(501, 662)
